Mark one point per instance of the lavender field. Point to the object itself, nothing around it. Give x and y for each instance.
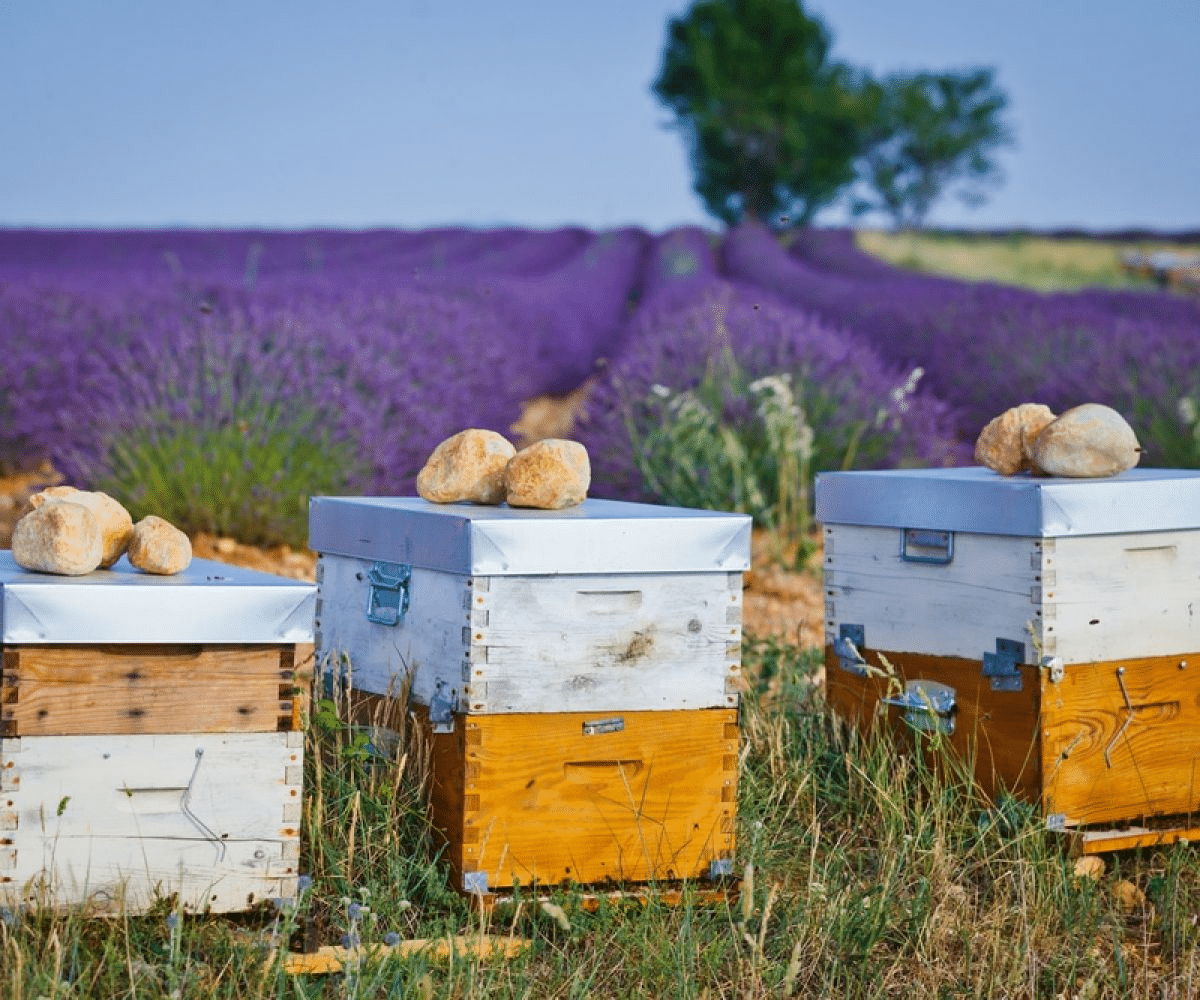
(226, 375)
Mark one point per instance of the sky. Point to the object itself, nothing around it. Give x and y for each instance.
(415, 113)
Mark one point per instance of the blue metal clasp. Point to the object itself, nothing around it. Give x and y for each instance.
(387, 595)
(923, 546)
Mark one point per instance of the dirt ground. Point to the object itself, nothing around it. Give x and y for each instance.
(777, 602)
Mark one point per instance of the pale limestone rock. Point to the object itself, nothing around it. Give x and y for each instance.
(59, 537)
(1005, 443)
(1086, 442)
(157, 546)
(466, 468)
(550, 474)
(116, 524)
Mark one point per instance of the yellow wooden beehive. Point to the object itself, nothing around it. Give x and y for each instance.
(575, 671)
(1045, 627)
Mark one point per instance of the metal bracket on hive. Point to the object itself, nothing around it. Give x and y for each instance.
(441, 709)
(928, 706)
(388, 592)
(850, 638)
(475, 883)
(1003, 667)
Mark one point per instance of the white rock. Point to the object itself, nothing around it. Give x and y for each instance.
(116, 524)
(467, 468)
(549, 474)
(1006, 442)
(1086, 442)
(59, 537)
(159, 547)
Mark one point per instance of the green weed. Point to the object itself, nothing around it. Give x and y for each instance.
(246, 472)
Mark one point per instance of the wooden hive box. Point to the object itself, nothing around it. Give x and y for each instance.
(150, 740)
(577, 672)
(1047, 627)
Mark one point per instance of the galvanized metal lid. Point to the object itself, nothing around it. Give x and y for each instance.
(979, 500)
(209, 602)
(597, 536)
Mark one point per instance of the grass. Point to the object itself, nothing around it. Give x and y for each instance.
(867, 873)
(1038, 262)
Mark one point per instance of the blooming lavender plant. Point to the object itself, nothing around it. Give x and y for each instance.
(987, 347)
(860, 411)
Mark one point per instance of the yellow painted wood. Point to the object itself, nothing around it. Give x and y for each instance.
(531, 798)
(996, 730)
(1104, 841)
(138, 689)
(331, 958)
(1121, 740)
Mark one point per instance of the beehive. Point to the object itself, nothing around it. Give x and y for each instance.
(150, 741)
(1046, 627)
(577, 672)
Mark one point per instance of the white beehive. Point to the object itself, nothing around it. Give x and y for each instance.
(150, 742)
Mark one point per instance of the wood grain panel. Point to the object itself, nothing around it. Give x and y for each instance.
(1121, 740)
(996, 730)
(529, 797)
(990, 589)
(145, 689)
(120, 821)
(1128, 595)
(534, 644)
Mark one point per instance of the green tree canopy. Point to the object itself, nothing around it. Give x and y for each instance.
(773, 125)
(931, 132)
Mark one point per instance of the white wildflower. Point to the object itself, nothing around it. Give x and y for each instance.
(1187, 411)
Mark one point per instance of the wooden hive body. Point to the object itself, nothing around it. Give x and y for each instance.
(581, 711)
(1074, 660)
(144, 753)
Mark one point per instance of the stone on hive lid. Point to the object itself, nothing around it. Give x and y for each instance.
(1005, 444)
(466, 468)
(157, 546)
(549, 474)
(116, 524)
(1086, 442)
(59, 537)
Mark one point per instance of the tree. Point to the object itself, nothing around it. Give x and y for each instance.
(931, 131)
(773, 126)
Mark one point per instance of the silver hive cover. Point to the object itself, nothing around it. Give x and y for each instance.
(597, 536)
(209, 602)
(976, 499)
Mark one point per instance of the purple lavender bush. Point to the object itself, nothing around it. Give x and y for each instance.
(735, 353)
(222, 408)
(987, 347)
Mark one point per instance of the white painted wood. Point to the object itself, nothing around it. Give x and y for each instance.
(508, 644)
(1113, 596)
(1089, 598)
(957, 609)
(381, 658)
(142, 816)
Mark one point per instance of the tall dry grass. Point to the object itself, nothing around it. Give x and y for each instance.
(865, 873)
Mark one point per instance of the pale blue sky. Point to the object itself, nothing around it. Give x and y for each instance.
(412, 113)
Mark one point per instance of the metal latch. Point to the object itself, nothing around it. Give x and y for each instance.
(613, 725)
(387, 596)
(924, 546)
(441, 710)
(720, 868)
(475, 883)
(928, 706)
(850, 637)
(1004, 665)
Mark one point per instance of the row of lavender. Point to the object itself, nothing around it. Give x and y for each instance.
(352, 354)
(985, 347)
